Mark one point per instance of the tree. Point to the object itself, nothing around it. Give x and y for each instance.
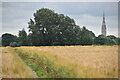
(111, 37)
(87, 37)
(115, 39)
(118, 41)
(104, 40)
(0, 41)
(23, 38)
(7, 39)
(50, 28)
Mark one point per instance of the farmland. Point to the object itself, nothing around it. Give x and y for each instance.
(66, 61)
(13, 66)
(0, 62)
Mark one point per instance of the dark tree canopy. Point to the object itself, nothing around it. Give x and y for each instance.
(104, 40)
(23, 38)
(7, 39)
(0, 41)
(50, 28)
(87, 37)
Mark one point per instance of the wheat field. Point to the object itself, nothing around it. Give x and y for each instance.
(86, 61)
(67, 61)
(0, 63)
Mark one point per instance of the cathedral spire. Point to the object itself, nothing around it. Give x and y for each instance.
(103, 31)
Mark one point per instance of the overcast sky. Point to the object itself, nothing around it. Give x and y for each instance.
(16, 15)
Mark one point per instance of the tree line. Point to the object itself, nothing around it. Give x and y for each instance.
(51, 29)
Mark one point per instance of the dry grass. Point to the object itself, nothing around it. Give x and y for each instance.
(0, 62)
(86, 61)
(13, 67)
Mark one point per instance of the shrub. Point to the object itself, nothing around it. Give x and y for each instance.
(14, 44)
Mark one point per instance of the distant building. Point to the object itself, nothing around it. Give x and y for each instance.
(103, 31)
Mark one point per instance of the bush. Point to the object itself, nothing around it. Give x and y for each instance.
(14, 44)
(104, 40)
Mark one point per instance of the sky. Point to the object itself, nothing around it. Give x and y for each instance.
(16, 15)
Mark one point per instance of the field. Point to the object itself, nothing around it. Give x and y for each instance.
(0, 63)
(62, 61)
(13, 66)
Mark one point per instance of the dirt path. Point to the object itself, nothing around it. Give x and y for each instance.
(13, 66)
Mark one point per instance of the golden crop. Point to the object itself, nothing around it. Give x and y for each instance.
(88, 61)
(69, 61)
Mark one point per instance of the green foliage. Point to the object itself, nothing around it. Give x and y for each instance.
(23, 39)
(87, 37)
(118, 41)
(115, 39)
(8, 38)
(104, 40)
(14, 44)
(0, 41)
(111, 37)
(50, 28)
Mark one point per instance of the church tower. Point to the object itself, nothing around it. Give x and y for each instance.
(103, 31)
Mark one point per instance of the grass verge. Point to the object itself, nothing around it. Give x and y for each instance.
(44, 67)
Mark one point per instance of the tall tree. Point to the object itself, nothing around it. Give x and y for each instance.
(50, 28)
(23, 41)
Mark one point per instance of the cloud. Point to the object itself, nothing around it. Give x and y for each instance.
(60, 0)
(0, 18)
(94, 8)
(17, 14)
(94, 23)
(14, 26)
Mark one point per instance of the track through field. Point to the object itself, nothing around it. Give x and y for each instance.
(13, 66)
